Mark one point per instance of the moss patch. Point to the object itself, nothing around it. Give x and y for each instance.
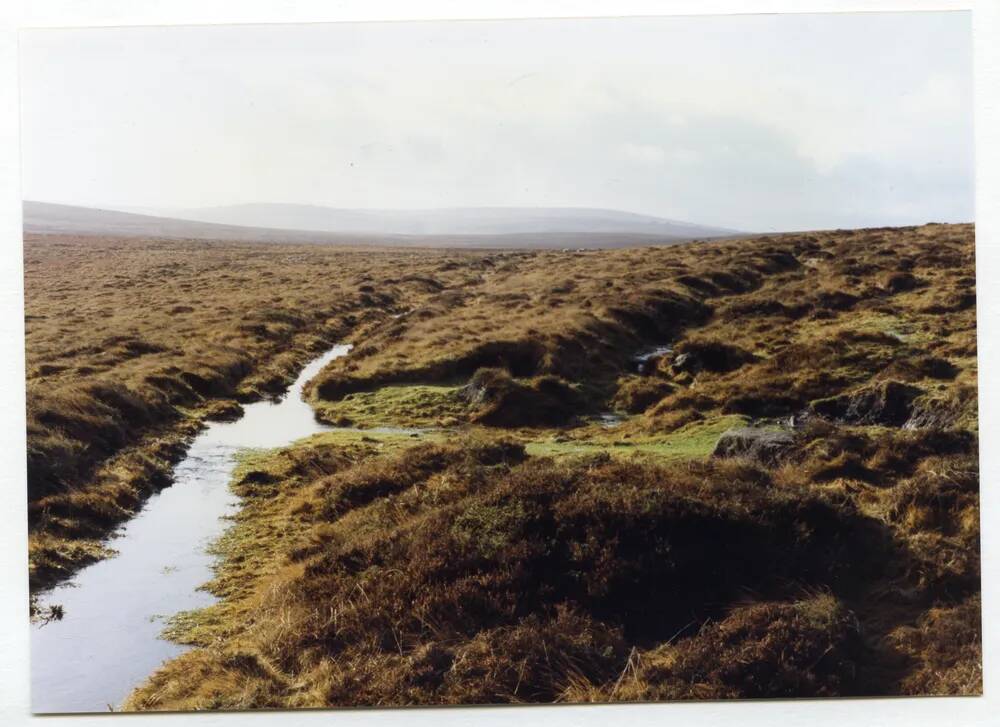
(691, 441)
(412, 405)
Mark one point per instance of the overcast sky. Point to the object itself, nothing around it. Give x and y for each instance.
(751, 122)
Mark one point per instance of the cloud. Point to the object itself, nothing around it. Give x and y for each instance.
(644, 153)
(752, 122)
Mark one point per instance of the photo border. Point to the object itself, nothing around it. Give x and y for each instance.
(14, 671)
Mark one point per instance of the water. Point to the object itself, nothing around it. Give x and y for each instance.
(113, 611)
(610, 419)
(642, 358)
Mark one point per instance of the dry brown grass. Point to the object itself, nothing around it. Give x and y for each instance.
(131, 343)
(377, 572)
(468, 573)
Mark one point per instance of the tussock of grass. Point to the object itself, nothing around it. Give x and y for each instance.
(637, 393)
(946, 642)
(499, 400)
(807, 648)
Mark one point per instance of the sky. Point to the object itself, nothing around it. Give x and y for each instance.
(752, 122)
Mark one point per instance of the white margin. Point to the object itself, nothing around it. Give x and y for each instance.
(14, 672)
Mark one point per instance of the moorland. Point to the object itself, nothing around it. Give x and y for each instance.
(739, 468)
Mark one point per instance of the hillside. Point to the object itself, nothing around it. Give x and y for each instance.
(300, 224)
(451, 221)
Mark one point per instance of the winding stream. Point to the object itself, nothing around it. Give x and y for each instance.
(108, 640)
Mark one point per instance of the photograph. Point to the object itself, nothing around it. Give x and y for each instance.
(500, 362)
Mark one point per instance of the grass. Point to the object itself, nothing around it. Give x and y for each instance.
(691, 441)
(895, 326)
(410, 576)
(414, 405)
(520, 551)
(131, 344)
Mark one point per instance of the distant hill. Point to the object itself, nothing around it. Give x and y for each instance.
(447, 221)
(47, 218)
(460, 227)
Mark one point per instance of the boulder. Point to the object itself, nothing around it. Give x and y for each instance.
(757, 443)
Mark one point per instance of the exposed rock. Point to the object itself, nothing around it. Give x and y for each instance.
(888, 403)
(942, 411)
(648, 360)
(757, 443)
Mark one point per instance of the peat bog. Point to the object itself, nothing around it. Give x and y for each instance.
(730, 469)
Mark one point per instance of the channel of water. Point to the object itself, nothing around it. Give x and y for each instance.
(108, 639)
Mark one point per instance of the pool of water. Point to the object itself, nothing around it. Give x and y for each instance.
(108, 639)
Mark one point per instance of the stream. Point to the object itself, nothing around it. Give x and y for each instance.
(108, 639)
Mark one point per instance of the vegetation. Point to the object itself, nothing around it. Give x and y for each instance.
(734, 469)
(131, 344)
(410, 405)
(474, 573)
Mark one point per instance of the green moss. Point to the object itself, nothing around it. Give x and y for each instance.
(413, 405)
(691, 441)
(897, 327)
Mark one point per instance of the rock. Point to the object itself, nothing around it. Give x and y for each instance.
(762, 445)
(648, 361)
(889, 403)
(943, 410)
